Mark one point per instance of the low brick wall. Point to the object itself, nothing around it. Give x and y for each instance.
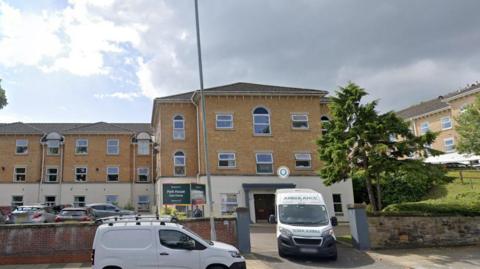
(423, 231)
(72, 242)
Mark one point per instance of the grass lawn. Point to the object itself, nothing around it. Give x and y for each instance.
(455, 197)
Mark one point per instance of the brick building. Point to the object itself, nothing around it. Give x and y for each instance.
(439, 115)
(252, 130)
(77, 164)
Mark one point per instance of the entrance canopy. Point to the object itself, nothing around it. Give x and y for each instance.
(452, 158)
(267, 186)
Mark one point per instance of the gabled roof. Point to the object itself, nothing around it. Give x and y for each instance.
(71, 128)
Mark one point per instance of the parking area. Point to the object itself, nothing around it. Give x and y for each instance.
(265, 256)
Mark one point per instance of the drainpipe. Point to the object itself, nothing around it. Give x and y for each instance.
(152, 174)
(61, 146)
(198, 141)
(42, 171)
(132, 192)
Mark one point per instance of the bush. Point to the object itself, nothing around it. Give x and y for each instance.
(431, 207)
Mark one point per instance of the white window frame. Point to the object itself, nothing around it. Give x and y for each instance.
(49, 152)
(445, 120)
(77, 204)
(422, 129)
(338, 213)
(178, 130)
(143, 147)
(143, 173)
(48, 174)
(176, 165)
(269, 124)
(224, 203)
(49, 203)
(299, 157)
(257, 163)
(17, 203)
(445, 144)
(293, 115)
(76, 173)
(323, 121)
(117, 147)
(78, 146)
(18, 145)
(118, 173)
(234, 159)
(217, 120)
(15, 173)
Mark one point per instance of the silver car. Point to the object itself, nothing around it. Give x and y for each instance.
(31, 214)
(101, 210)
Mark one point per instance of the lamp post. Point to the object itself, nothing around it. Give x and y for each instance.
(213, 235)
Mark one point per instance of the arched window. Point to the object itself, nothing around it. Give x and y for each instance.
(179, 163)
(178, 127)
(261, 121)
(325, 120)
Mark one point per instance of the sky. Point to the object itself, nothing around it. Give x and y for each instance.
(92, 60)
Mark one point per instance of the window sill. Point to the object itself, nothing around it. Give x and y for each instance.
(49, 182)
(118, 154)
(300, 129)
(227, 168)
(113, 181)
(81, 154)
(262, 135)
(143, 182)
(21, 154)
(224, 129)
(446, 129)
(16, 181)
(264, 174)
(304, 168)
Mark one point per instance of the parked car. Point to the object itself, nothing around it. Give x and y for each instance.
(31, 214)
(74, 214)
(108, 210)
(154, 244)
(3, 217)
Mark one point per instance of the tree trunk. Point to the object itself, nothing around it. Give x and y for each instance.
(371, 197)
(379, 194)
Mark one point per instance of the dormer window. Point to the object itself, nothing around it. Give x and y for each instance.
(143, 143)
(53, 143)
(178, 128)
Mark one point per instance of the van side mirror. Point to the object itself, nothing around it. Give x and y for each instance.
(188, 245)
(272, 219)
(334, 221)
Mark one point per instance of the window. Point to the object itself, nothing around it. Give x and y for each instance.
(261, 121)
(50, 200)
(325, 121)
(143, 147)
(337, 204)
(449, 145)
(17, 200)
(143, 203)
(226, 160)
(79, 201)
(299, 121)
(21, 146)
(176, 240)
(142, 174)
(53, 147)
(113, 147)
(178, 128)
(81, 174)
(111, 199)
(81, 146)
(224, 121)
(229, 203)
(51, 174)
(20, 174)
(303, 160)
(112, 173)
(264, 163)
(424, 127)
(446, 123)
(179, 163)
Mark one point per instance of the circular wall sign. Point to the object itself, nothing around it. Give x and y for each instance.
(283, 172)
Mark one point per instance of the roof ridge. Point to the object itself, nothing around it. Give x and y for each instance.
(96, 123)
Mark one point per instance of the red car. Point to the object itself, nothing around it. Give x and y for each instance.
(73, 214)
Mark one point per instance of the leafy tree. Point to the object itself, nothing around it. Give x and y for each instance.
(3, 97)
(468, 129)
(364, 145)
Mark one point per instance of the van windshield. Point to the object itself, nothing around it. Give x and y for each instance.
(303, 214)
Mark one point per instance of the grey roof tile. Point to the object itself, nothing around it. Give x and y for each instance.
(19, 128)
(423, 108)
(65, 128)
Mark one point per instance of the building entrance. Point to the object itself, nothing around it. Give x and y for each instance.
(264, 206)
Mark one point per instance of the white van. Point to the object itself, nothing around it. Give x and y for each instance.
(303, 224)
(154, 244)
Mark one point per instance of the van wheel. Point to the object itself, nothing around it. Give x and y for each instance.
(217, 267)
(112, 267)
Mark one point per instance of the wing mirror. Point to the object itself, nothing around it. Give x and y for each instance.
(188, 245)
(272, 219)
(334, 221)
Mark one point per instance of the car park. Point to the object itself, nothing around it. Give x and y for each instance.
(31, 214)
(155, 244)
(73, 214)
(102, 210)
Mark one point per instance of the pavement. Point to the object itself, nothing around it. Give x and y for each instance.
(265, 256)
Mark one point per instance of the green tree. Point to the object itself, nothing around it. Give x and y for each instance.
(3, 97)
(362, 144)
(468, 129)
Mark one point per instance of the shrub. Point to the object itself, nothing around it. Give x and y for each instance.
(431, 207)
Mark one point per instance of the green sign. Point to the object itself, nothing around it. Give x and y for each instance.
(184, 194)
(176, 194)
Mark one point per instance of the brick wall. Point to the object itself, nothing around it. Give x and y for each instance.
(68, 243)
(423, 231)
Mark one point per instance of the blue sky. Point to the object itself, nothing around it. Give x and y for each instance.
(90, 60)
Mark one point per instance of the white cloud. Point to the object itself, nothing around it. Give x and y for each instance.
(129, 96)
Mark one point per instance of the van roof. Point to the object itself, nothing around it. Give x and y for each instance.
(134, 223)
(296, 191)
